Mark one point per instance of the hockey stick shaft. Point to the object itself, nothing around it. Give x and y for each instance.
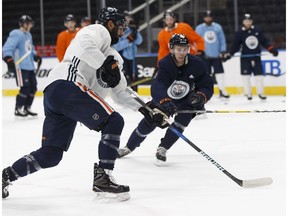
(230, 111)
(138, 82)
(250, 55)
(23, 57)
(242, 183)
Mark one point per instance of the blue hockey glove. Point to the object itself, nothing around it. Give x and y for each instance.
(168, 106)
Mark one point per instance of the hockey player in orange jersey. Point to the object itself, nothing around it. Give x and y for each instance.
(64, 38)
(197, 44)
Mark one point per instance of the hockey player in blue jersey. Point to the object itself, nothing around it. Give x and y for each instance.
(76, 92)
(182, 83)
(19, 45)
(215, 50)
(250, 40)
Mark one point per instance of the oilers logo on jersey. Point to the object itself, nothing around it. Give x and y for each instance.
(251, 42)
(210, 37)
(178, 89)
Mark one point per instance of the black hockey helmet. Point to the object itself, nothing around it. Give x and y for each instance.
(25, 19)
(208, 14)
(113, 14)
(247, 17)
(179, 40)
(169, 13)
(69, 17)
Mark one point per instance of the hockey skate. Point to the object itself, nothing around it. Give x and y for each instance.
(5, 183)
(106, 188)
(123, 152)
(20, 112)
(160, 156)
(223, 95)
(249, 97)
(262, 97)
(29, 112)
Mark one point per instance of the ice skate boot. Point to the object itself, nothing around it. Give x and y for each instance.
(20, 112)
(160, 156)
(29, 112)
(249, 97)
(223, 94)
(106, 188)
(5, 183)
(123, 152)
(262, 97)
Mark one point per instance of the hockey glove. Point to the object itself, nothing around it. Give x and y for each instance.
(10, 64)
(273, 50)
(168, 106)
(157, 118)
(225, 56)
(201, 54)
(109, 72)
(198, 100)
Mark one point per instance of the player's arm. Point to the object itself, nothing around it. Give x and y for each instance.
(61, 46)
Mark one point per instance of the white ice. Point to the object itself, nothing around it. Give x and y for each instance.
(248, 145)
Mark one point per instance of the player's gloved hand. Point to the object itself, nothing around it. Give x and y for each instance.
(10, 64)
(131, 37)
(168, 106)
(273, 50)
(225, 56)
(109, 72)
(198, 100)
(157, 118)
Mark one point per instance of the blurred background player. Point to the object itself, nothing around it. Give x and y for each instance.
(250, 40)
(85, 21)
(20, 44)
(182, 83)
(197, 44)
(215, 50)
(127, 47)
(64, 38)
(74, 93)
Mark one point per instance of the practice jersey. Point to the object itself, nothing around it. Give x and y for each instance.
(250, 40)
(214, 38)
(17, 45)
(176, 82)
(195, 40)
(84, 56)
(64, 38)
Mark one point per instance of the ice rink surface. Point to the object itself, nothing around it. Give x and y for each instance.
(248, 145)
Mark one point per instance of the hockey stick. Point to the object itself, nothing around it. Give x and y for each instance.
(230, 111)
(250, 55)
(275, 75)
(141, 81)
(23, 57)
(243, 183)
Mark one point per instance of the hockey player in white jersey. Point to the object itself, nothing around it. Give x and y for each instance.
(91, 69)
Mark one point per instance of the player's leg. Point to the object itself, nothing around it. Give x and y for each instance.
(136, 138)
(220, 77)
(31, 95)
(259, 81)
(246, 70)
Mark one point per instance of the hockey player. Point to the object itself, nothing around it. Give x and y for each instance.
(215, 50)
(19, 48)
(182, 83)
(197, 44)
(65, 37)
(77, 87)
(250, 39)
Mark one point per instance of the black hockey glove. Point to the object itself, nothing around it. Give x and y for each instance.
(201, 54)
(109, 72)
(10, 64)
(198, 100)
(225, 56)
(274, 51)
(38, 59)
(168, 106)
(157, 118)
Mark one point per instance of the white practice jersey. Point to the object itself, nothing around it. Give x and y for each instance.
(84, 56)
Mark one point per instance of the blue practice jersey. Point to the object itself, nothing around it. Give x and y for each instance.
(250, 40)
(214, 38)
(17, 45)
(176, 82)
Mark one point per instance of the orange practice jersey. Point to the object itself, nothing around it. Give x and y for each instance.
(63, 40)
(195, 40)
